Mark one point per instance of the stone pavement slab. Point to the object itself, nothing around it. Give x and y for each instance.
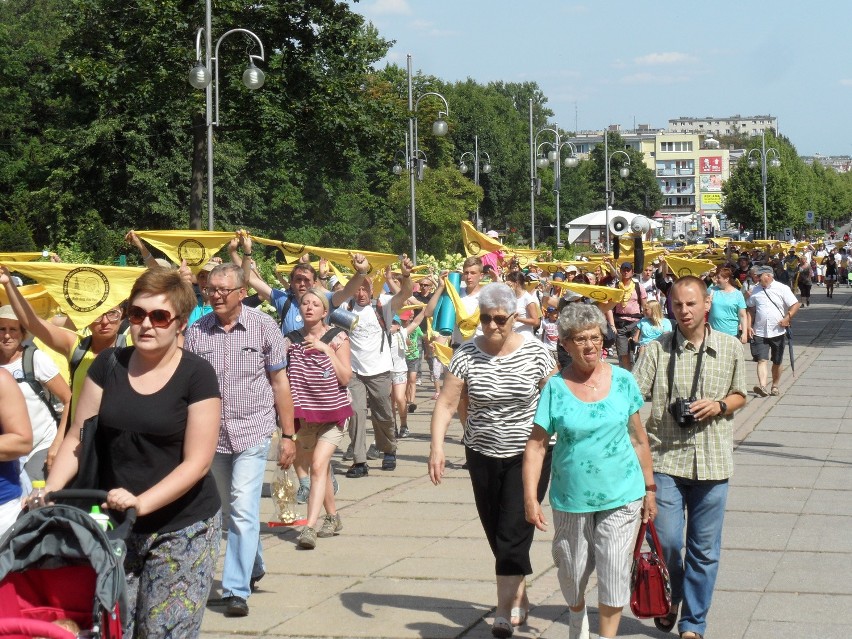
(411, 560)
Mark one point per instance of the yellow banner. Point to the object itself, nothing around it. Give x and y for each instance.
(38, 297)
(476, 243)
(21, 257)
(444, 352)
(467, 322)
(196, 247)
(342, 257)
(681, 267)
(83, 291)
(601, 294)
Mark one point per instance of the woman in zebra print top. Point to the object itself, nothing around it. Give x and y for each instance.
(502, 373)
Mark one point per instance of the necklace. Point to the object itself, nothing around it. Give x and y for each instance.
(586, 384)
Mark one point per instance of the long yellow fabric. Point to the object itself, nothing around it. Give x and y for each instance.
(467, 322)
(20, 257)
(38, 297)
(681, 267)
(342, 257)
(596, 293)
(444, 352)
(83, 291)
(196, 247)
(477, 244)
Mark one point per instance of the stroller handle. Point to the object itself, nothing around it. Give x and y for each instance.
(99, 496)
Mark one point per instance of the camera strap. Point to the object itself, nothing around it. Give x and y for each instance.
(671, 366)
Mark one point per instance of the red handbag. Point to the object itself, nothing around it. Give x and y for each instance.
(650, 588)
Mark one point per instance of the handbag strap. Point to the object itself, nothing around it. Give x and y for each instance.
(655, 541)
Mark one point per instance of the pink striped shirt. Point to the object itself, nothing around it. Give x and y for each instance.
(318, 397)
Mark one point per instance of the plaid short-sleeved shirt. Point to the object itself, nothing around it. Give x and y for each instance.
(242, 359)
(704, 452)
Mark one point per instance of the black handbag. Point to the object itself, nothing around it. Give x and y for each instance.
(88, 461)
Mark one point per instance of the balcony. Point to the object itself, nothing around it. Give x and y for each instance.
(686, 171)
(666, 172)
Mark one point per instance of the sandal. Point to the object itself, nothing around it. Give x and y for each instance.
(521, 614)
(501, 628)
(761, 391)
(774, 391)
(668, 622)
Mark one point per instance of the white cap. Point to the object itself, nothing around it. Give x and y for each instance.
(493, 233)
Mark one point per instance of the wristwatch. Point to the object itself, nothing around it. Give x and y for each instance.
(292, 437)
(723, 406)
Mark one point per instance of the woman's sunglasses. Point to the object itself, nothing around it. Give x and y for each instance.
(160, 318)
(500, 320)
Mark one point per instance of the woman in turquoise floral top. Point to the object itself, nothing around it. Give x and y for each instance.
(602, 479)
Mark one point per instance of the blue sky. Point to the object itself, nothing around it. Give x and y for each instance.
(644, 61)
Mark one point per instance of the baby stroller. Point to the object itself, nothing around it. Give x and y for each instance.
(57, 563)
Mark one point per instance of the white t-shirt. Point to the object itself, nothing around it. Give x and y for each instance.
(523, 301)
(470, 303)
(371, 353)
(44, 426)
(398, 341)
(651, 290)
(770, 304)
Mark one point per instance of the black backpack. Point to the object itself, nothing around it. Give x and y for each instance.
(29, 378)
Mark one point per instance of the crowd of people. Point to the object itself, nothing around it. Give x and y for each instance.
(190, 383)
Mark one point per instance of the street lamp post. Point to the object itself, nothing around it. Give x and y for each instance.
(553, 156)
(477, 169)
(763, 152)
(439, 128)
(201, 78)
(623, 172)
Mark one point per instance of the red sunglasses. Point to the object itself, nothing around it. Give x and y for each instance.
(160, 318)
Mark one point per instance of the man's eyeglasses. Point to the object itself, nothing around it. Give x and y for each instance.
(500, 320)
(160, 317)
(594, 340)
(221, 292)
(111, 316)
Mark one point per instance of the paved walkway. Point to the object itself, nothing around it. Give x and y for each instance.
(412, 561)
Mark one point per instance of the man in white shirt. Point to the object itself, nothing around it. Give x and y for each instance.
(772, 306)
(371, 365)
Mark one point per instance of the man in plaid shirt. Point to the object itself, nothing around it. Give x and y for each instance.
(246, 348)
(693, 458)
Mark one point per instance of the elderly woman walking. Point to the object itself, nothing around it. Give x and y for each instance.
(602, 476)
(503, 373)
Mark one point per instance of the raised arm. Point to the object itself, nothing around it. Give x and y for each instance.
(362, 268)
(59, 339)
(253, 280)
(407, 288)
(147, 258)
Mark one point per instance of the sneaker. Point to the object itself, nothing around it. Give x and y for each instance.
(404, 432)
(358, 470)
(373, 452)
(412, 408)
(302, 493)
(389, 462)
(349, 455)
(334, 485)
(236, 607)
(761, 391)
(331, 525)
(308, 538)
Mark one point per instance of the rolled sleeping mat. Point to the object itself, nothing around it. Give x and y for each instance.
(445, 314)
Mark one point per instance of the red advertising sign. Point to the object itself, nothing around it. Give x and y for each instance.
(710, 164)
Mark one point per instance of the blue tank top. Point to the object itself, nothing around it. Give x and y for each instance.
(10, 481)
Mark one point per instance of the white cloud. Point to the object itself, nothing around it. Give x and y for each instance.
(389, 7)
(650, 78)
(670, 57)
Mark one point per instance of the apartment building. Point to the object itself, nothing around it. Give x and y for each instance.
(733, 125)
